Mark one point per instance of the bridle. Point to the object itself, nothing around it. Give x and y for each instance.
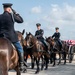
(30, 47)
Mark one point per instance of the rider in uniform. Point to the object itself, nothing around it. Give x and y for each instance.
(56, 36)
(39, 34)
(7, 20)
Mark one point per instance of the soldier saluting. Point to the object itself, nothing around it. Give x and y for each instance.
(7, 20)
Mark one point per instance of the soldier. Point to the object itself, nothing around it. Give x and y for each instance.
(39, 34)
(56, 36)
(7, 20)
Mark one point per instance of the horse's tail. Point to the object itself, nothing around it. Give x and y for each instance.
(3, 63)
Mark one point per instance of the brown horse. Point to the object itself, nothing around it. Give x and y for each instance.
(55, 49)
(38, 51)
(8, 57)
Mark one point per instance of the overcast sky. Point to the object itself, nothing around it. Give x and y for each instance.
(50, 13)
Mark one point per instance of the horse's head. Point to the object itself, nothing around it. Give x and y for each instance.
(20, 37)
(28, 39)
(50, 40)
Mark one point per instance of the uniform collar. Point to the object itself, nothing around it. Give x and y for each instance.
(6, 12)
(57, 32)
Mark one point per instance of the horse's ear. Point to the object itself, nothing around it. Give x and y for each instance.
(23, 32)
(29, 32)
(26, 33)
(45, 37)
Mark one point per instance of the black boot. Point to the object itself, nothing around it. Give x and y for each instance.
(23, 64)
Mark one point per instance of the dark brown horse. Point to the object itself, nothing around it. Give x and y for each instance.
(8, 57)
(38, 51)
(56, 49)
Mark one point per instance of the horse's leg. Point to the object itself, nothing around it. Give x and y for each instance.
(3, 63)
(47, 61)
(42, 65)
(17, 70)
(59, 58)
(32, 61)
(54, 59)
(51, 57)
(64, 58)
(3, 70)
(26, 55)
(37, 63)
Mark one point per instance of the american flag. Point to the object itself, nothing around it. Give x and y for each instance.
(70, 42)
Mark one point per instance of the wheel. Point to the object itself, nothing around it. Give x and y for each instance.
(71, 54)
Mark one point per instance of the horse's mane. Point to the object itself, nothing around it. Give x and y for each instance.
(50, 37)
(18, 32)
(32, 35)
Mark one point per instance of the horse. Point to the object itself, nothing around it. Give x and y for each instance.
(38, 51)
(56, 49)
(8, 57)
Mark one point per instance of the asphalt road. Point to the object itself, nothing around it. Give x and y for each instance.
(68, 69)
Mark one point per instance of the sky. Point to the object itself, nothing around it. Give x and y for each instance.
(50, 13)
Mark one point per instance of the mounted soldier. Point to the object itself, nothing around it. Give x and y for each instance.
(39, 34)
(56, 36)
(7, 21)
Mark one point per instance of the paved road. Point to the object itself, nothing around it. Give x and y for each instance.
(68, 69)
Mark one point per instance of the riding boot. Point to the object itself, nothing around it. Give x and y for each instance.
(23, 64)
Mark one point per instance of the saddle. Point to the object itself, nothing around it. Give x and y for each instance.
(58, 42)
(2, 35)
(45, 44)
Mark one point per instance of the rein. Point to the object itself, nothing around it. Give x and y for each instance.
(31, 46)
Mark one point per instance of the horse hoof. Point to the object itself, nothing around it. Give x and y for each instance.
(41, 69)
(53, 66)
(64, 63)
(32, 67)
(36, 72)
(46, 68)
(58, 64)
(70, 61)
(23, 71)
(51, 62)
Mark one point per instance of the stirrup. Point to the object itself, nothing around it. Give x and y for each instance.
(25, 64)
(23, 68)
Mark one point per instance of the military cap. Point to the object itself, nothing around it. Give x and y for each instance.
(5, 5)
(56, 28)
(38, 24)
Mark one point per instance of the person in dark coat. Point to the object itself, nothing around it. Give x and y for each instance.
(7, 20)
(56, 36)
(39, 35)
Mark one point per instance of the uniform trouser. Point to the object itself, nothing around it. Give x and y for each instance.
(60, 43)
(44, 42)
(18, 47)
(21, 54)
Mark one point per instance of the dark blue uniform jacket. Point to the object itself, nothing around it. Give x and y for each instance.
(7, 25)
